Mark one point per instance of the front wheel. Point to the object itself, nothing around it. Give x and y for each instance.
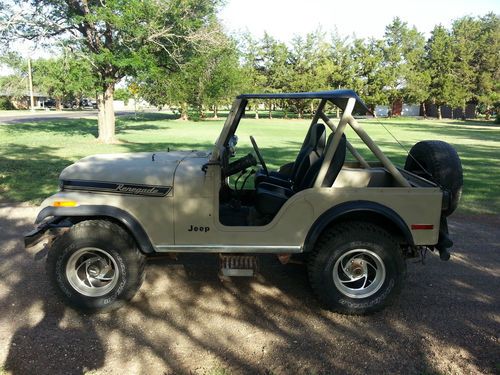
(95, 266)
(356, 268)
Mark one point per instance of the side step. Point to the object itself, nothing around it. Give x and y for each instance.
(238, 265)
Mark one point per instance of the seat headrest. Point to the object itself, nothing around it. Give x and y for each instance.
(337, 160)
(318, 137)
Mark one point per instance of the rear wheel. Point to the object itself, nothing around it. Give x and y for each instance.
(95, 266)
(356, 268)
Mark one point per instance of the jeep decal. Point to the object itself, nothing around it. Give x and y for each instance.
(194, 228)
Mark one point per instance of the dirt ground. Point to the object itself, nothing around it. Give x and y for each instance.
(185, 320)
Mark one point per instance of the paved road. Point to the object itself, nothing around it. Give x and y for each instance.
(52, 115)
(184, 320)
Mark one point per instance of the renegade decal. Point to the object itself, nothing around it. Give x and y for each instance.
(116, 188)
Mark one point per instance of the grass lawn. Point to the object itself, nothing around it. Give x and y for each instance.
(33, 154)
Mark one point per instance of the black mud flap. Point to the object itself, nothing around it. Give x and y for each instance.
(444, 241)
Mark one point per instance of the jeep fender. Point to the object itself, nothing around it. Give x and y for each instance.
(92, 211)
(357, 210)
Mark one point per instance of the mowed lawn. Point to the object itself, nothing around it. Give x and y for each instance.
(33, 154)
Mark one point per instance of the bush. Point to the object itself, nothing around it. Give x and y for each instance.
(6, 104)
(497, 119)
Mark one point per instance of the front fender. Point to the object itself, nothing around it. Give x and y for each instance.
(94, 211)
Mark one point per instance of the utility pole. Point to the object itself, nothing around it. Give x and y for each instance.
(30, 80)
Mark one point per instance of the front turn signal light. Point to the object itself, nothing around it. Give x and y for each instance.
(64, 204)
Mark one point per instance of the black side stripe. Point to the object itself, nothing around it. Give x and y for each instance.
(117, 188)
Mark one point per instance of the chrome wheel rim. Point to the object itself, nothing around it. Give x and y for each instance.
(359, 273)
(92, 272)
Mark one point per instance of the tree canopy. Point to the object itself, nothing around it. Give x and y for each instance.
(175, 53)
(118, 37)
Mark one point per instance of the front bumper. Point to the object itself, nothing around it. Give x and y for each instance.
(45, 231)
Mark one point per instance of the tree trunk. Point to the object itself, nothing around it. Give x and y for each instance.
(106, 115)
(300, 113)
(270, 111)
(440, 117)
(312, 109)
(58, 104)
(256, 111)
(215, 112)
(424, 110)
(184, 112)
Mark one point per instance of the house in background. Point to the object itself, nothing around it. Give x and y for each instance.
(22, 101)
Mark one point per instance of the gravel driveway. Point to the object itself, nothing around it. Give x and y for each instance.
(184, 320)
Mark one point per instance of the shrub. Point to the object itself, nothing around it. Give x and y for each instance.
(6, 104)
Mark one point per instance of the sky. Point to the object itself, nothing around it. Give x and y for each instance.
(285, 18)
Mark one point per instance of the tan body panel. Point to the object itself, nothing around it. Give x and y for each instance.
(189, 214)
(290, 226)
(195, 204)
(154, 168)
(155, 214)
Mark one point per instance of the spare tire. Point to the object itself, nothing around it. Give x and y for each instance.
(441, 165)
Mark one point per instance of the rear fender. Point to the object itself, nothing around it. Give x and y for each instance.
(358, 210)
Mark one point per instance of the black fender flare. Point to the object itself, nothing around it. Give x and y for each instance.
(91, 211)
(352, 208)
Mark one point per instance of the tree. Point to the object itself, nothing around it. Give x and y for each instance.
(486, 88)
(14, 85)
(118, 37)
(440, 62)
(309, 67)
(223, 76)
(274, 67)
(370, 79)
(405, 70)
(65, 78)
(253, 78)
(208, 79)
(465, 32)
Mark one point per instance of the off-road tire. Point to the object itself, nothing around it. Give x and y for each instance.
(112, 240)
(442, 162)
(334, 245)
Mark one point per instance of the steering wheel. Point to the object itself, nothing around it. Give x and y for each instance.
(259, 156)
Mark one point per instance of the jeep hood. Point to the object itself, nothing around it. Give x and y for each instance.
(147, 168)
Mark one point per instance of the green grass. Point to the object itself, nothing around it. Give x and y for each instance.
(33, 154)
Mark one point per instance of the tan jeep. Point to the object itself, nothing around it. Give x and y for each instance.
(354, 222)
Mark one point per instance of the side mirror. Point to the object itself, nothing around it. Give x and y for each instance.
(233, 141)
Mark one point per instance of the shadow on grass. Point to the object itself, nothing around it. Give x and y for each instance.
(58, 126)
(148, 116)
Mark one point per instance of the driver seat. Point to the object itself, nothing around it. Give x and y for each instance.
(315, 140)
(270, 197)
